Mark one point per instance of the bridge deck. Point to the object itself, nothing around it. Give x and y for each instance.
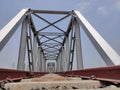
(57, 82)
(107, 77)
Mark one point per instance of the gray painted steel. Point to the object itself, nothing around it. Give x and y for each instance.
(67, 52)
(22, 50)
(105, 50)
(10, 28)
(35, 49)
(78, 46)
(56, 45)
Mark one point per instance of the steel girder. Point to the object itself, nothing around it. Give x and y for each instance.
(105, 50)
(23, 41)
(10, 28)
(59, 46)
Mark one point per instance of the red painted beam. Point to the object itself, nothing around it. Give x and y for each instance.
(111, 73)
(9, 74)
(106, 73)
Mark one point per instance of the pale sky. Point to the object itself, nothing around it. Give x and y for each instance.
(104, 15)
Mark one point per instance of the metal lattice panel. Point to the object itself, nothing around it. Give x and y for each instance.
(54, 35)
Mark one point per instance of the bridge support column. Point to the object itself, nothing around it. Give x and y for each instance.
(35, 53)
(43, 63)
(67, 53)
(57, 65)
(58, 62)
(22, 49)
(39, 59)
(78, 46)
(45, 69)
(42, 69)
(63, 59)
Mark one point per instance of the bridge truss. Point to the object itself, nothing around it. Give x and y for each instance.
(53, 42)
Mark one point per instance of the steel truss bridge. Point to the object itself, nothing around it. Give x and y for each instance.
(58, 42)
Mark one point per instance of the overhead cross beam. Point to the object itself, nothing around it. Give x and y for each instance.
(51, 24)
(50, 12)
(53, 39)
(50, 34)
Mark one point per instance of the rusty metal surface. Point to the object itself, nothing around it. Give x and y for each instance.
(111, 73)
(12, 75)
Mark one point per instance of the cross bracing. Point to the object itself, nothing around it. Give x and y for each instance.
(54, 35)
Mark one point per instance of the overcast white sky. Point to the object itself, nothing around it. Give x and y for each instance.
(104, 15)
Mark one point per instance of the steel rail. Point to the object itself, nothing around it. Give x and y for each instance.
(107, 74)
(13, 75)
(110, 74)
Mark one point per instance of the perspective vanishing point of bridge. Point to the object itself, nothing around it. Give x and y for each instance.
(56, 45)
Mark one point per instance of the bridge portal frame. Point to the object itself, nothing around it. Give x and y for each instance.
(77, 20)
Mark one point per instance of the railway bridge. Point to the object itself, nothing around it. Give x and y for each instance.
(55, 46)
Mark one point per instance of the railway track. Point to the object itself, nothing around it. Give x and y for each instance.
(105, 78)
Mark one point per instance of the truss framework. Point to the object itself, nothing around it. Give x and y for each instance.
(59, 44)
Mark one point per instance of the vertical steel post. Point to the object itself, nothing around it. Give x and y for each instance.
(38, 59)
(34, 53)
(78, 46)
(58, 63)
(67, 52)
(55, 66)
(42, 69)
(43, 63)
(22, 49)
(64, 59)
(72, 46)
